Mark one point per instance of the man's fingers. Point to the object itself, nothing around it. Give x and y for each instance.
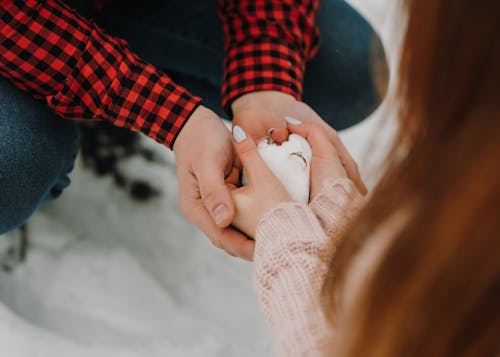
(227, 239)
(214, 193)
(246, 150)
(233, 178)
(279, 135)
(237, 244)
(233, 243)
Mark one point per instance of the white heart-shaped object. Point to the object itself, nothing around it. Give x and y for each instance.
(290, 162)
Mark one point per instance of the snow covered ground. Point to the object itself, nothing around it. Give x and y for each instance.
(109, 277)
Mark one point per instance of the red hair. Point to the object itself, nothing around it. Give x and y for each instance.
(436, 291)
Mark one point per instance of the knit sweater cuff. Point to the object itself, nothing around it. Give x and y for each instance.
(290, 261)
(336, 204)
(286, 223)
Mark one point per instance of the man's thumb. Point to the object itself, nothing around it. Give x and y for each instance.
(215, 196)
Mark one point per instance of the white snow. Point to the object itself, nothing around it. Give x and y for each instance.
(109, 277)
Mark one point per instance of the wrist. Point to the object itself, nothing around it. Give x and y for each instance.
(336, 204)
(198, 115)
(265, 99)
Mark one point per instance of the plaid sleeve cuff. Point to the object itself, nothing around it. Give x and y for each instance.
(267, 44)
(111, 83)
(261, 65)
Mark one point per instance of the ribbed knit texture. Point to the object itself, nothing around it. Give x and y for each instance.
(335, 205)
(292, 255)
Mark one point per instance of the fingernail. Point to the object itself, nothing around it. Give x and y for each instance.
(239, 134)
(220, 214)
(293, 121)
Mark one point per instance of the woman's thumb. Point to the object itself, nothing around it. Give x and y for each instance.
(245, 148)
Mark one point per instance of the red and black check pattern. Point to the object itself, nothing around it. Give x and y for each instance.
(83, 73)
(267, 43)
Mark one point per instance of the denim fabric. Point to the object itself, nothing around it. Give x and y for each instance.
(185, 39)
(37, 151)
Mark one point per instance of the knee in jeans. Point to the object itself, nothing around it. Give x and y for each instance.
(36, 150)
(26, 177)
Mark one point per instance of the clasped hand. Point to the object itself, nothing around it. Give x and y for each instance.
(210, 160)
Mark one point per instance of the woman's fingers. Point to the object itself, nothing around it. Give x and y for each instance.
(264, 190)
(246, 150)
(315, 135)
(326, 163)
(330, 135)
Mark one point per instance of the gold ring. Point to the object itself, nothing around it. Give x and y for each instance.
(299, 154)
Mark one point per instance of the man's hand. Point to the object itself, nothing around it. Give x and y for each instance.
(258, 112)
(205, 172)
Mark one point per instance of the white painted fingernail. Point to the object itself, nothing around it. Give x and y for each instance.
(239, 134)
(292, 121)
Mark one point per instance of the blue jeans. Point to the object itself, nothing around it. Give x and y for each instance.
(184, 38)
(37, 151)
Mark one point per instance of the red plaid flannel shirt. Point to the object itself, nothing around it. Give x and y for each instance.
(83, 73)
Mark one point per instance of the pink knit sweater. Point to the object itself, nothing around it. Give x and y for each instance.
(294, 244)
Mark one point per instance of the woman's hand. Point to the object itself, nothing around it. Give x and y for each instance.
(264, 190)
(257, 112)
(326, 162)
